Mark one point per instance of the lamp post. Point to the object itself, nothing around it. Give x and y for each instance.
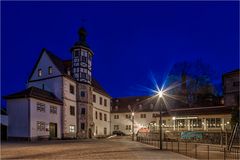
(132, 126)
(160, 94)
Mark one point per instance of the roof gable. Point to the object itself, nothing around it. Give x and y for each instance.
(37, 93)
(45, 60)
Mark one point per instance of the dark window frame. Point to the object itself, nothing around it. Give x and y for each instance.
(72, 110)
(71, 89)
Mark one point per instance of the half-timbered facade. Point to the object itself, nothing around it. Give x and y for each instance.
(72, 85)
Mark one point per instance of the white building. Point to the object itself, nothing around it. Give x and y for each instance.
(146, 115)
(62, 100)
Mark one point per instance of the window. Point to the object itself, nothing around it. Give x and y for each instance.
(154, 115)
(143, 115)
(105, 117)
(105, 102)
(116, 116)
(83, 111)
(40, 107)
(197, 123)
(39, 72)
(180, 123)
(163, 122)
(128, 116)
(83, 75)
(71, 88)
(40, 126)
(82, 94)
(82, 126)
(96, 115)
(100, 116)
(105, 131)
(128, 127)
(84, 59)
(94, 98)
(71, 128)
(76, 53)
(116, 108)
(100, 100)
(213, 122)
(72, 110)
(116, 127)
(140, 107)
(43, 86)
(50, 70)
(53, 109)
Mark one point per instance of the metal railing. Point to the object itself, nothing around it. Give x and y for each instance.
(194, 150)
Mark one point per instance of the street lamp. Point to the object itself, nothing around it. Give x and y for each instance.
(160, 94)
(132, 126)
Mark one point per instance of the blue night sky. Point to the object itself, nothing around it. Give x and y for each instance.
(130, 39)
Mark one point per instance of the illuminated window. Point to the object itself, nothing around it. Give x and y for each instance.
(39, 72)
(71, 128)
(40, 126)
(50, 70)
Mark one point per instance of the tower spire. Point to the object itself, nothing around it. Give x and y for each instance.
(82, 35)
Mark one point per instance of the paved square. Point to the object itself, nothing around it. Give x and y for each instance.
(115, 148)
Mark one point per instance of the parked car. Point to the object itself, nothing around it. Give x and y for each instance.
(119, 133)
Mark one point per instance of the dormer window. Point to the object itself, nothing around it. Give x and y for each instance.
(39, 72)
(137, 100)
(116, 108)
(117, 100)
(50, 70)
(140, 106)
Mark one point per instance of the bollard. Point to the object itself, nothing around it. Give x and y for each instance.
(167, 145)
(172, 146)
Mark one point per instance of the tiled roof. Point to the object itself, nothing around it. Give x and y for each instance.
(63, 65)
(96, 86)
(35, 93)
(236, 71)
(135, 103)
(149, 104)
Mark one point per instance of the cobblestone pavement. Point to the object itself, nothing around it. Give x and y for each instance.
(114, 148)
